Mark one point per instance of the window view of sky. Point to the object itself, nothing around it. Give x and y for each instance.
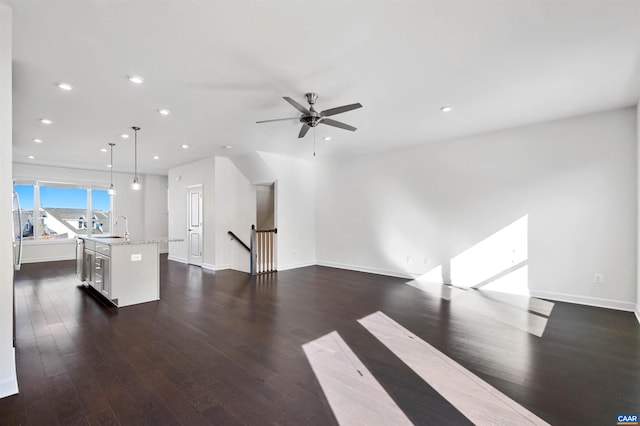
(60, 197)
(25, 193)
(68, 198)
(100, 199)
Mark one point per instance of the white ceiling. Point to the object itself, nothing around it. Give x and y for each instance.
(220, 66)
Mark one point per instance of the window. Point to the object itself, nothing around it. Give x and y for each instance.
(25, 195)
(60, 211)
(100, 211)
(63, 210)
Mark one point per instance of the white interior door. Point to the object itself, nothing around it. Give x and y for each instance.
(195, 225)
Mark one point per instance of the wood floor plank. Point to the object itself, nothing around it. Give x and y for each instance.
(225, 348)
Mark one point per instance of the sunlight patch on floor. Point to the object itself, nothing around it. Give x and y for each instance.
(477, 400)
(354, 394)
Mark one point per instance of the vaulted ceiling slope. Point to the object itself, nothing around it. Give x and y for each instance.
(220, 66)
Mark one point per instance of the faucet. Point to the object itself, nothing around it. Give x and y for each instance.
(126, 226)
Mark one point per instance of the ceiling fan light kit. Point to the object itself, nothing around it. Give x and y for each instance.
(311, 118)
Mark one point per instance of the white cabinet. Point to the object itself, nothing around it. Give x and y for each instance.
(126, 273)
(97, 267)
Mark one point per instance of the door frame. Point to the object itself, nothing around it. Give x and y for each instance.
(199, 189)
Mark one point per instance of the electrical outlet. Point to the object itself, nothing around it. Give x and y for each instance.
(598, 278)
(425, 260)
(409, 259)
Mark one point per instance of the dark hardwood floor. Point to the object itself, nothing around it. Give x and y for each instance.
(224, 348)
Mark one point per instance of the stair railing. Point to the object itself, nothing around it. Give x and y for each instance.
(263, 250)
(235, 237)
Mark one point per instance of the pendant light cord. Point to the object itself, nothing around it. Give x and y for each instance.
(111, 144)
(314, 141)
(135, 153)
(111, 178)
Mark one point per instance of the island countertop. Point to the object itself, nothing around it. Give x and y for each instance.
(120, 241)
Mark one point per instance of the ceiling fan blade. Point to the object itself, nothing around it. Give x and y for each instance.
(340, 109)
(339, 124)
(303, 131)
(278, 119)
(296, 105)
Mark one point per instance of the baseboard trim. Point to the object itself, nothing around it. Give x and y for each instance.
(637, 312)
(584, 300)
(212, 267)
(177, 259)
(10, 386)
(295, 266)
(386, 272)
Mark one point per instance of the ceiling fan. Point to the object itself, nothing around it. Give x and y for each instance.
(311, 118)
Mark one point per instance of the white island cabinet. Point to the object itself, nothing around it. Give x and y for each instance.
(125, 272)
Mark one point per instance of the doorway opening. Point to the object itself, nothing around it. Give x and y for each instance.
(263, 235)
(265, 206)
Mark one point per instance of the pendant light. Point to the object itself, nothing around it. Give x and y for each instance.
(135, 185)
(111, 190)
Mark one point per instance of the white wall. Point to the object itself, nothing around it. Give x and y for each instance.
(156, 213)
(229, 205)
(254, 168)
(575, 179)
(138, 206)
(235, 210)
(8, 383)
(295, 199)
(638, 235)
(180, 178)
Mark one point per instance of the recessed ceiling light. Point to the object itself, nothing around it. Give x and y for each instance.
(446, 108)
(103, 149)
(155, 157)
(164, 111)
(136, 79)
(327, 138)
(46, 121)
(184, 146)
(109, 165)
(30, 157)
(124, 136)
(37, 140)
(227, 147)
(65, 86)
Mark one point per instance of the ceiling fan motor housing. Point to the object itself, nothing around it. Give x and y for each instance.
(311, 98)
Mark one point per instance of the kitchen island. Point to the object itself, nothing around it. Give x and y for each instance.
(122, 270)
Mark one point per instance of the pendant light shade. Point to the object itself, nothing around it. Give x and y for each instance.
(135, 185)
(112, 190)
